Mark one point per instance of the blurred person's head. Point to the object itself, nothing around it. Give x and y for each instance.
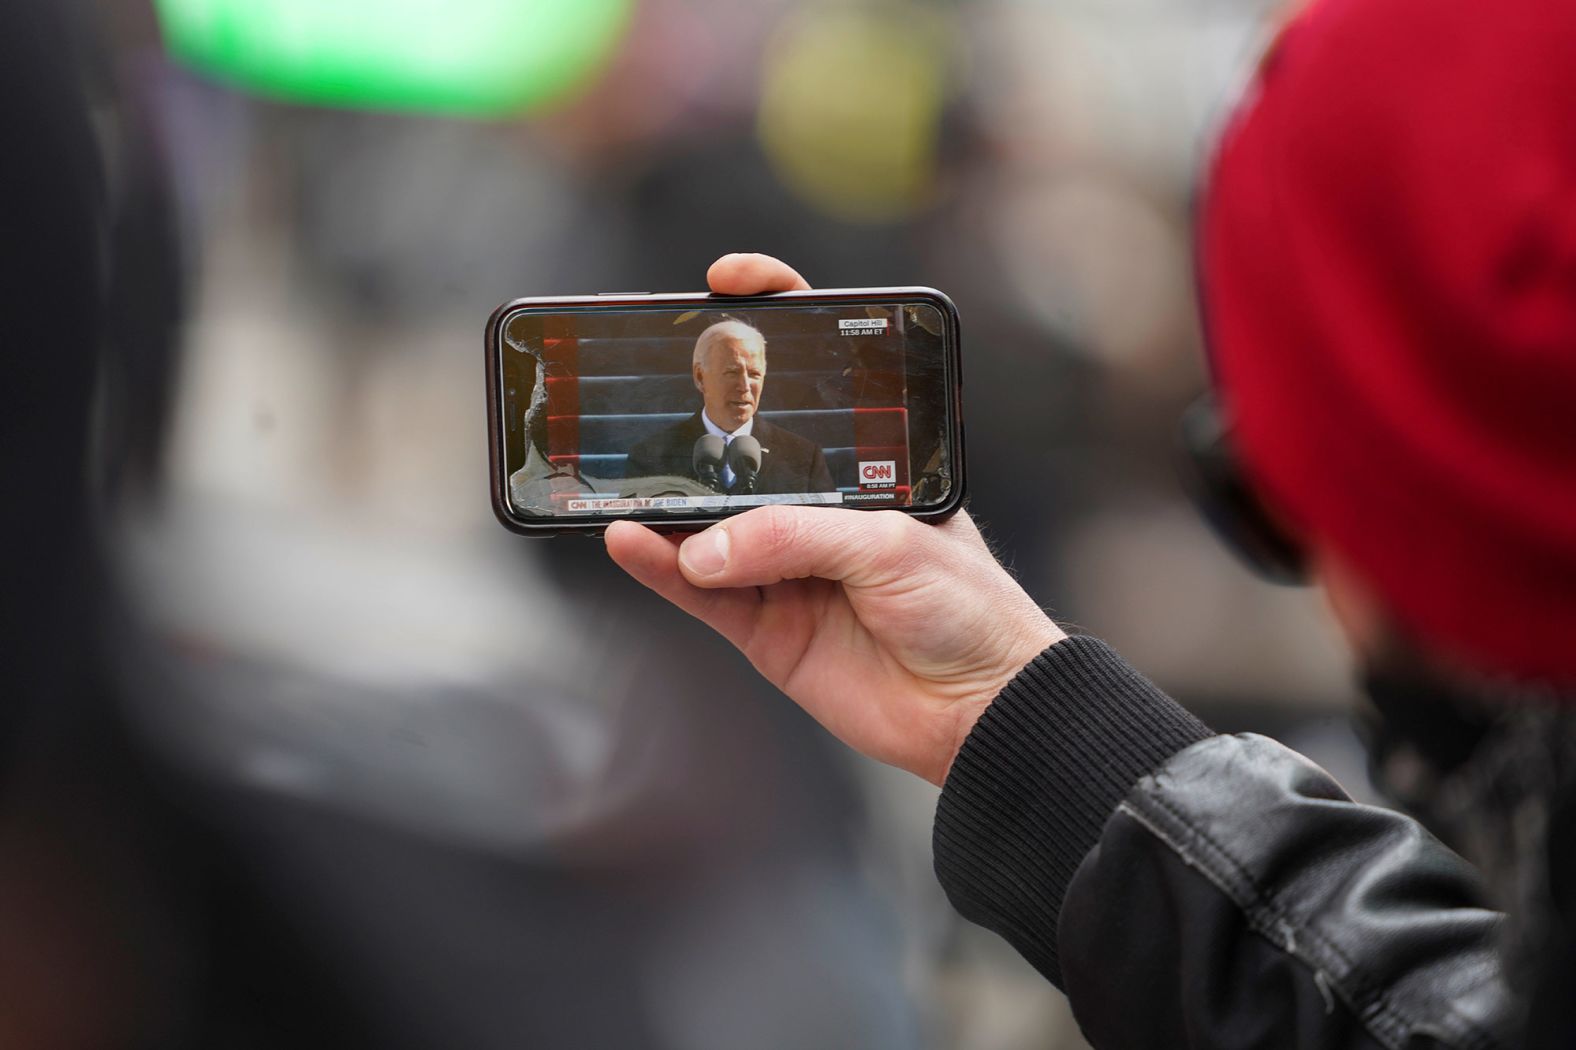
(729, 366)
(1388, 270)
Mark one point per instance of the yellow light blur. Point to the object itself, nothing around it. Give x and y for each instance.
(851, 106)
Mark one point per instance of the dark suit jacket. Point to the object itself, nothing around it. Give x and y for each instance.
(790, 463)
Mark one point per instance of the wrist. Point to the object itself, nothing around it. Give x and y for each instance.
(1034, 639)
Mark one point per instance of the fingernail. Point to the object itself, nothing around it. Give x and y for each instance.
(705, 554)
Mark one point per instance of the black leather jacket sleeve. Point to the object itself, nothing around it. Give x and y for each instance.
(1229, 895)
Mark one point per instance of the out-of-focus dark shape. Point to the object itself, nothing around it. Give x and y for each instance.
(1212, 473)
(123, 924)
(70, 937)
(53, 191)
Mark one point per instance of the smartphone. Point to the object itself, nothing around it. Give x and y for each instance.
(680, 410)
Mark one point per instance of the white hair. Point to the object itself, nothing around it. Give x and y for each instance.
(726, 330)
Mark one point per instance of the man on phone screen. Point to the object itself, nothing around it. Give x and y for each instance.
(729, 369)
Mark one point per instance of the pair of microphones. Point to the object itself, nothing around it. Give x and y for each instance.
(742, 455)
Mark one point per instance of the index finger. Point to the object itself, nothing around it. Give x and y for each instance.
(750, 273)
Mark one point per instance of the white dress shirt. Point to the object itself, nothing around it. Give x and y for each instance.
(715, 430)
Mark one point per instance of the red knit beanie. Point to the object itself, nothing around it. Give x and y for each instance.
(1388, 264)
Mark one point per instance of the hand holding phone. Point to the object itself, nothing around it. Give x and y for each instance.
(893, 633)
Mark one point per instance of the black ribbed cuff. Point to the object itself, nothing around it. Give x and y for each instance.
(1036, 780)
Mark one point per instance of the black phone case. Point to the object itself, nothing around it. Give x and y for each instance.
(671, 522)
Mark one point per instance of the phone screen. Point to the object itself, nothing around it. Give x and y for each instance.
(697, 410)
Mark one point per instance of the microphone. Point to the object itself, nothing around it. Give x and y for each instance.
(707, 459)
(744, 459)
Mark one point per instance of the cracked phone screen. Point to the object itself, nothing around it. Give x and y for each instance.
(646, 412)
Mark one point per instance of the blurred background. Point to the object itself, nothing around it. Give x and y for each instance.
(303, 749)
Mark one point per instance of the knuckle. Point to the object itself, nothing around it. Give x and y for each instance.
(891, 537)
(777, 528)
(889, 529)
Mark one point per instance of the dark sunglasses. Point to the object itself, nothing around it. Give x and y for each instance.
(1213, 476)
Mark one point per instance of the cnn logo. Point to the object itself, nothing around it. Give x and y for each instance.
(877, 473)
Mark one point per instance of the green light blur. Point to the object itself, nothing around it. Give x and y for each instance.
(472, 57)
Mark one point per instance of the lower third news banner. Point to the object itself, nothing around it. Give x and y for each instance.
(597, 503)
